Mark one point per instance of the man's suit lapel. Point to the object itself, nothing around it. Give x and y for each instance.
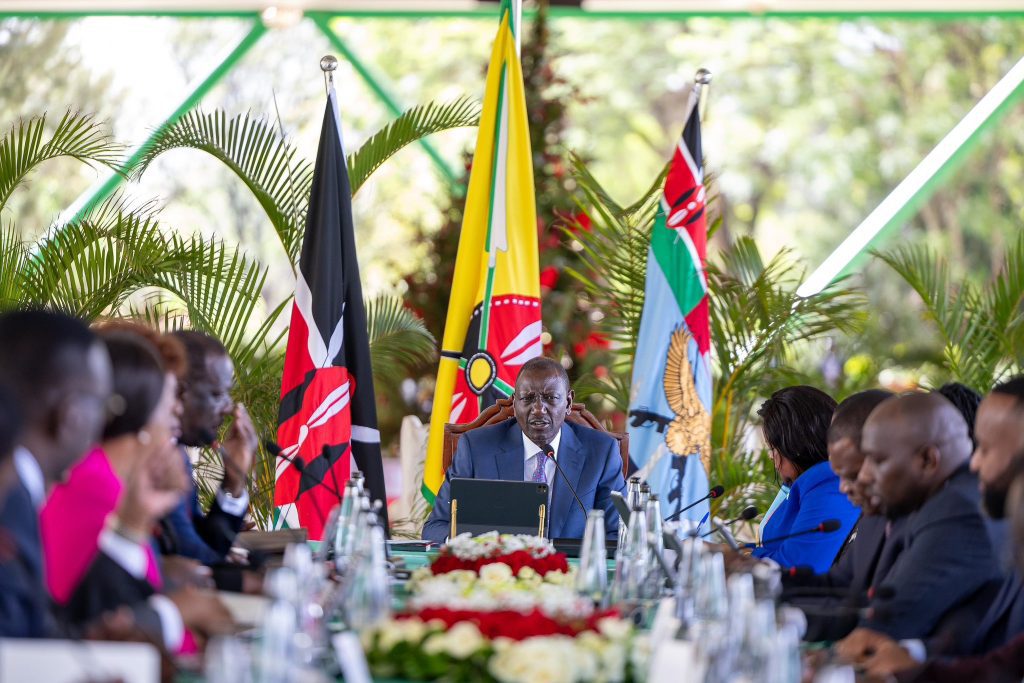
(571, 458)
(22, 520)
(508, 457)
(870, 541)
(891, 549)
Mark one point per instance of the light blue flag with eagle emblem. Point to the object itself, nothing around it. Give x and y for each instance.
(670, 396)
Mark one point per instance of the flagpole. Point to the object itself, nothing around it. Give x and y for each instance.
(517, 15)
(700, 79)
(328, 64)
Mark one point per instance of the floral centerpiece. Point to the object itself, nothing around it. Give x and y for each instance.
(518, 552)
(502, 608)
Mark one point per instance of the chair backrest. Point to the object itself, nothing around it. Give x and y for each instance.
(502, 410)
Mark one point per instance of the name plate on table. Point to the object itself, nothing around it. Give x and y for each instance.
(66, 661)
(508, 507)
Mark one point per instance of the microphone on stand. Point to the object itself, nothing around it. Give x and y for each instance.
(826, 527)
(549, 451)
(300, 465)
(712, 494)
(722, 528)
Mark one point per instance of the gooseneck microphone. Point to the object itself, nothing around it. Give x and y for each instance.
(826, 527)
(748, 514)
(300, 465)
(712, 494)
(550, 452)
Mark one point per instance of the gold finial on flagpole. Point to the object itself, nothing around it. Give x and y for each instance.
(328, 64)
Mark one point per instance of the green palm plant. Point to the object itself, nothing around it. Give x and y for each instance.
(272, 169)
(758, 324)
(76, 135)
(115, 260)
(280, 181)
(981, 325)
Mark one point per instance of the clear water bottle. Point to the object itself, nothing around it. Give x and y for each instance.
(343, 529)
(276, 659)
(367, 596)
(632, 500)
(784, 658)
(645, 494)
(632, 561)
(689, 576)
(633, 492)
(592, 577)
(656, 577)
(227, 660)
(711, 602)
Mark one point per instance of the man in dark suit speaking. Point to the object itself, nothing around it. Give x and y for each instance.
(512, 451)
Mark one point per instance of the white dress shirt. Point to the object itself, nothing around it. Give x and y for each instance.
(132, 557)
(31, 475)
(530, 449)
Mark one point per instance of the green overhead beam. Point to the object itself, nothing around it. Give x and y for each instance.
(84, 14)
(921, 183)
(557, 12)
(491, 13)
(106, 187)
(323, 22)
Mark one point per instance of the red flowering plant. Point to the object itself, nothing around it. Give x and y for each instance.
(467, 553)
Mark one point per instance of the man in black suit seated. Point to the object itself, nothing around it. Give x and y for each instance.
(824, 596)
(998, 457)
(58, 373)
(511, 450)
(205, 393)
(917, 450)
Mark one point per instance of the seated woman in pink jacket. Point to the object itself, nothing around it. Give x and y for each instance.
(143, 419)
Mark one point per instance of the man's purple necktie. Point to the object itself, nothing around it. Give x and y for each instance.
(539, 474)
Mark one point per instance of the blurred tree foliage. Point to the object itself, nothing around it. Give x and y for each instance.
(809, 125)
(41, 73)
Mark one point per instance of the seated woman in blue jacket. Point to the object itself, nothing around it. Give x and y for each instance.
(796, 421)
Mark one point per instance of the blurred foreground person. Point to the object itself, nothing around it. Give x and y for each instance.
(916, 452)
(796, 421)
(58, 373)
(145, 425)
(206, 405)
(10, 430)
(101, 522)
(966, 401)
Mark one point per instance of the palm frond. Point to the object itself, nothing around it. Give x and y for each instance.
(614, 388)
(253, 149)
(399, 341)
(79, 136)
(13, 256)
(979, 327)
(613, 251)
(95, 263)
(219, 287)
(415, 123)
